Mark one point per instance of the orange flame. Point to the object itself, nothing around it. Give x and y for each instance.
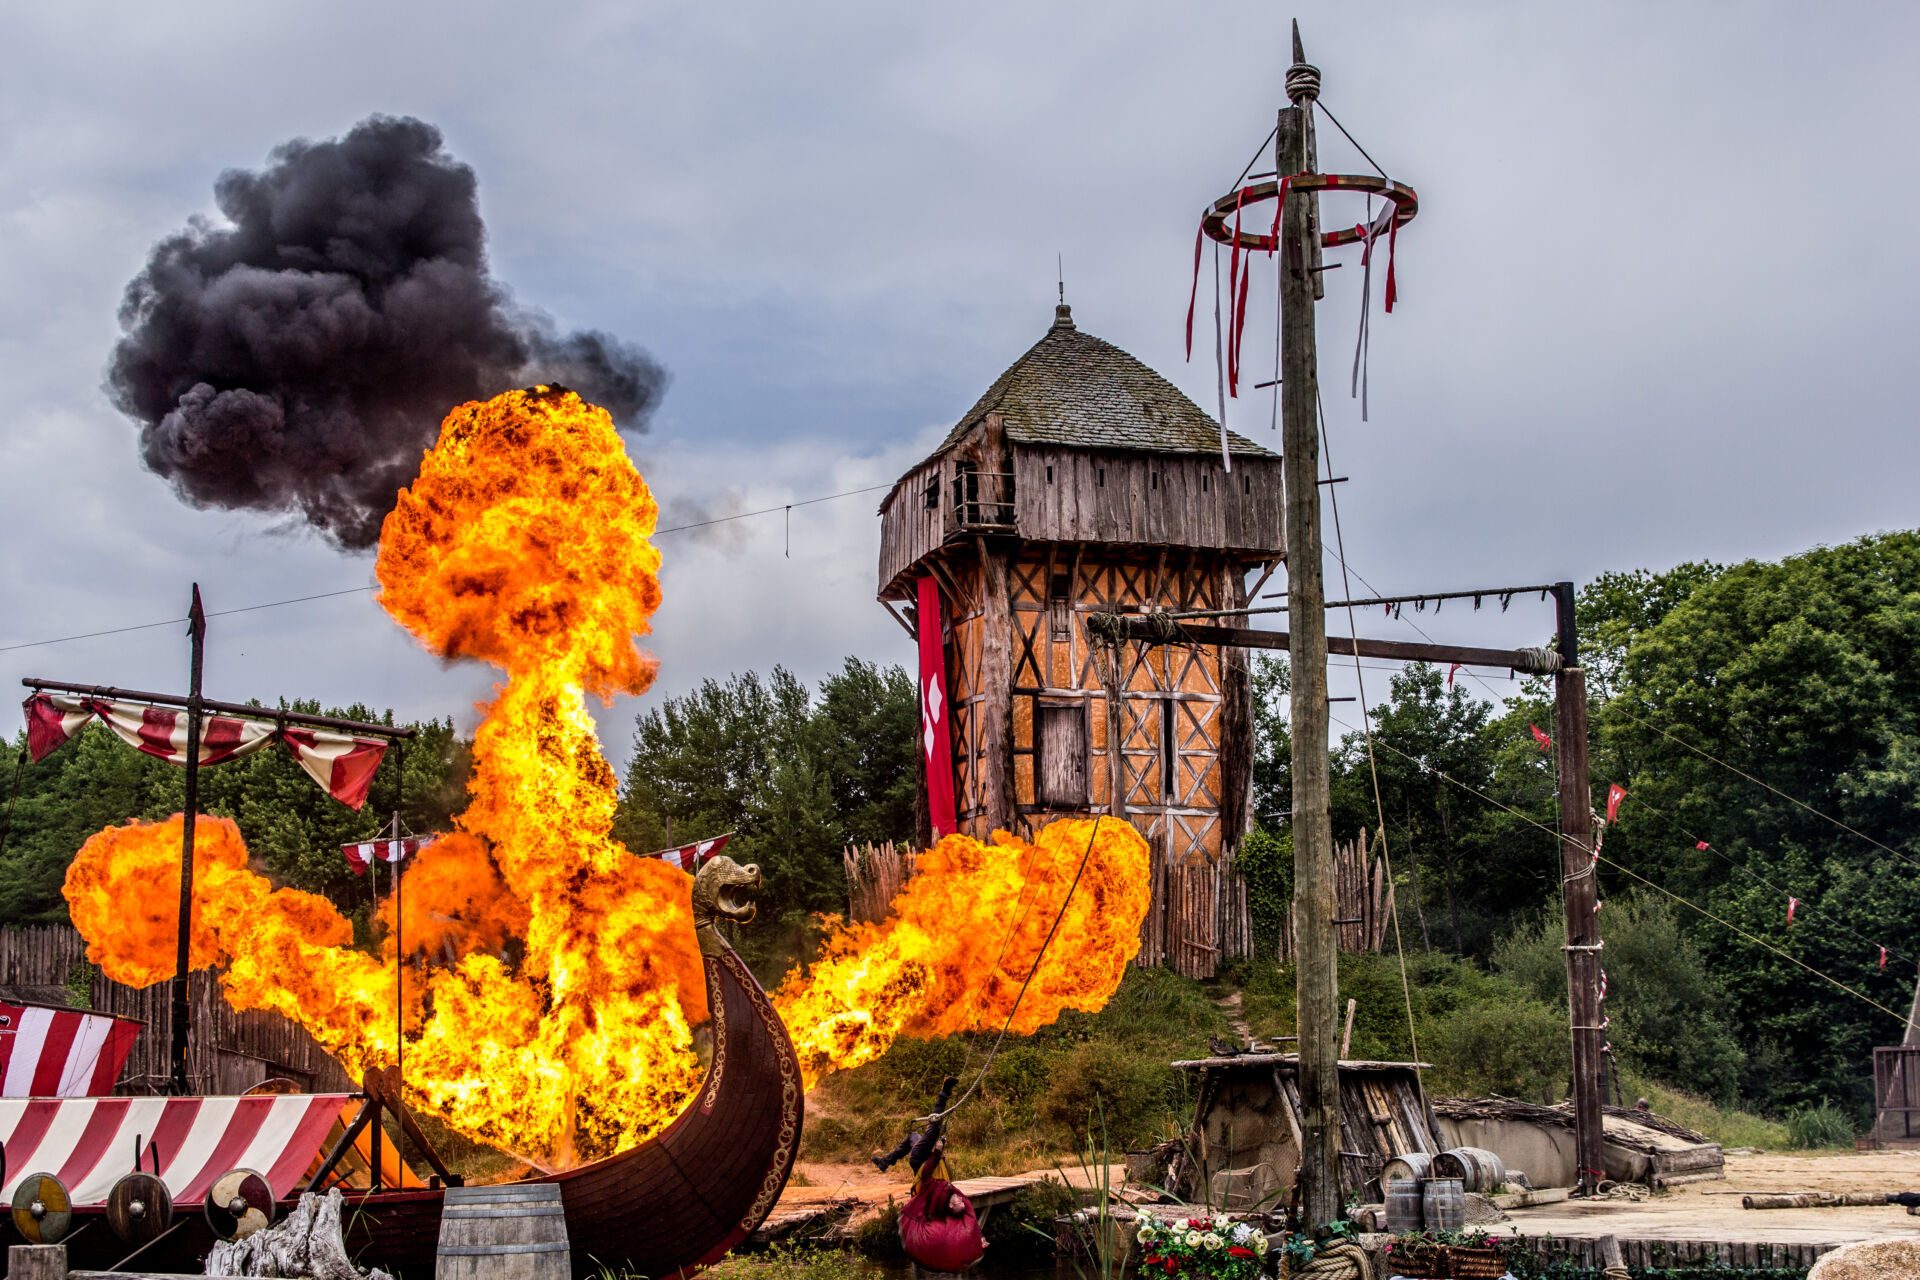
(964, 935)
(552, 979)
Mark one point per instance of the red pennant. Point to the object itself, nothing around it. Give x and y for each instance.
(1703, 846)
(1193, 293)
(1451, 671)
(1793, 904)
(1545, 743)
(1883, 958)
(1615, 794)
(1393, 289)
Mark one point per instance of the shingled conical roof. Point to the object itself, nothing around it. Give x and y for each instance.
(1072, 389)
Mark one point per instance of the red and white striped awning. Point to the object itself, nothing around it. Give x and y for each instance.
(342, 764)
(61, 1053)
(89, 1143)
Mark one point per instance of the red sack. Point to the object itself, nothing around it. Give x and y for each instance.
(934, 1236)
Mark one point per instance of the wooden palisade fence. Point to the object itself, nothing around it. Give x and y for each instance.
(1200, 915)
(229, 1051)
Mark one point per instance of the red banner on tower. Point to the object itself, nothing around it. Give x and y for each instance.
(936, 743)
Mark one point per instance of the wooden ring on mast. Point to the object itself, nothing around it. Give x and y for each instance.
(1217, 222)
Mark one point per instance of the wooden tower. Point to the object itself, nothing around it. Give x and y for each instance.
(1083, 482)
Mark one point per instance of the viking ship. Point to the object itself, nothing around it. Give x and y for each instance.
(670, 1205)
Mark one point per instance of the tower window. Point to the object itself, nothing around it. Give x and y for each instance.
(1049, 473)
(1248, 482)
(1060, 607)
(1206, 482)
(1156, 480)
(1101, 479)
(933, 494)
(1169, 751)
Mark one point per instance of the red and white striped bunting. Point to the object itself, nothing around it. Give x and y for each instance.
(343, 765)
(61, 1053)
(88, 1143)
(688, 857)
(360, 856)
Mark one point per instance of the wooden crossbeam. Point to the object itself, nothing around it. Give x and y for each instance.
(1158, 631)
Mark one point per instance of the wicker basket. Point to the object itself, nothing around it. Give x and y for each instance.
(1464, 1263)
(1450, 1262)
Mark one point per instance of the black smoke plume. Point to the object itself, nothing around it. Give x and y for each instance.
(300, 359)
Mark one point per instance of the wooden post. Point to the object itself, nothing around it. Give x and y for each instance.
(182, 1013)
(1579, 896)
(1316, 951)
(1236, 728)
(37, 1262)
(996, 677)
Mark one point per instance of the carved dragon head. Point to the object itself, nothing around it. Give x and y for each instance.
(724, 890)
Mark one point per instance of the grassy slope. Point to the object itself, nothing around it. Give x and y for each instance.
(1483, 1034)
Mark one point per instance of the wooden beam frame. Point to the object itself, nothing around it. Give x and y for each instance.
(1160, 631)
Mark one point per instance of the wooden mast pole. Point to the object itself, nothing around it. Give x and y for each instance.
(1580, 897)
(1318, 990)
(182, 1013)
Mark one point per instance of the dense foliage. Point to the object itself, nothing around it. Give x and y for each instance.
(797, 774)
(293, 829)
(1770, 710)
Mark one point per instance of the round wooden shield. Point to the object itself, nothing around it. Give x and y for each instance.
(139, 1208)
(239, 1203)
(42, 1210)
(274, 1085)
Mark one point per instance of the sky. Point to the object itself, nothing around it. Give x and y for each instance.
(1655, 308)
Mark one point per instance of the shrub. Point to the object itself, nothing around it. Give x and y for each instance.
(1136, 1093)
(1517, 1049)
(1022, 1229)
(1669, 1012)
(1824, 1125)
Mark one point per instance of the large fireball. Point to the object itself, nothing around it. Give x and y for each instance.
(553, 982)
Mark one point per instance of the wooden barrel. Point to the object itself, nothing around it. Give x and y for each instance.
(1414, 1165)
(1477, 1168)
(1404, 1211)
(510, 1232)
(1443, 1204)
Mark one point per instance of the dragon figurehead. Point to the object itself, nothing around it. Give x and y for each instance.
(723, 890)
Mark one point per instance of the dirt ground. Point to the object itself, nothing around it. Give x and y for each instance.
(1697, 1211)
(1711, 1210)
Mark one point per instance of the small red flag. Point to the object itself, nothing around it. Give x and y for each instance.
(1451, 671)
(1793, 904)
(1703, 846)
(1545, 743)
(1615, 794)
(1883, 957)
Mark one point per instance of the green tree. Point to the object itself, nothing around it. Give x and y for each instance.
(1766, 696)
(797, 776)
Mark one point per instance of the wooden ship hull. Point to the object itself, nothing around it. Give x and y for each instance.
(673, 1204)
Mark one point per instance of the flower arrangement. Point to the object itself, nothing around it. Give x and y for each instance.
(1215, 1248)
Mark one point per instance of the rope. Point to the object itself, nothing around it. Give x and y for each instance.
(1707, 755)
(1341, 1260)
(1366, 720)
(1815, 912)
(1022, 993)
(1691, 906)
(1322, 108)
